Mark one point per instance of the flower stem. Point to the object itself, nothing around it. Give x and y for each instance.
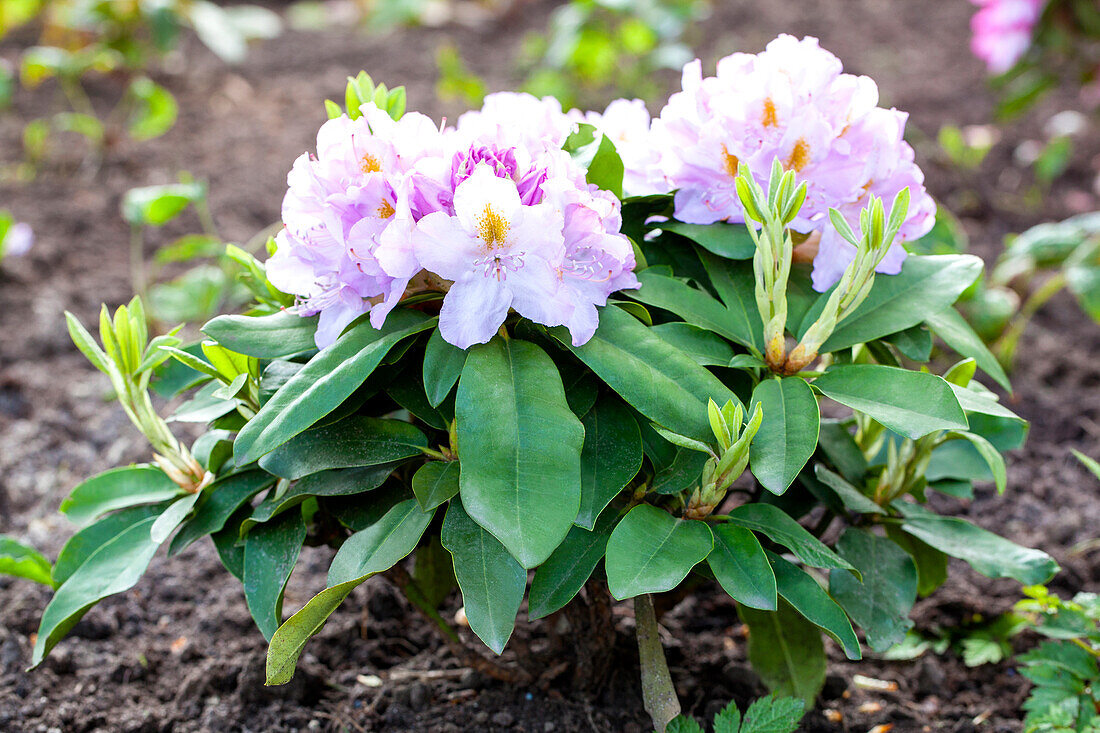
(658, 694)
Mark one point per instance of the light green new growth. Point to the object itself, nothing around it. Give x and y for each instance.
(878, 232)
(774, 248)
(128, 358)
(360, 90)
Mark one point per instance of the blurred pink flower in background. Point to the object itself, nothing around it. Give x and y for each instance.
(1002, 31)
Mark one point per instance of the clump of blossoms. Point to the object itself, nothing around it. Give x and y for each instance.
(790, 103)
(493, 213)
(1003, 30)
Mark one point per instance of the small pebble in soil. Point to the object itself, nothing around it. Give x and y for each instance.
(503, 719)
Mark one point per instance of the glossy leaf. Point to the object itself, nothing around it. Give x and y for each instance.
(610, 457)
(519, 446)
(788, 433)
(731, 241)
(741, 567)
(910, 403)
(85, 542)
(435, 482)
(369, 552)
(650, 551)
(811, 600)
(566, 571)
(221, 499)
(116, 489)
(989, 554)
(693, 305)
(442, 367)
(113, 567)
(491, 581)
(778, 526)
(852, 498)
(276, 336)
(324, 383)
(270, 552)
(705, 347)
(351, 443)
(925, 287)
(931, 563)
(338, 482)
(655, 378)
(881, 603)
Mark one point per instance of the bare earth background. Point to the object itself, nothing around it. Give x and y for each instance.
(179, 652)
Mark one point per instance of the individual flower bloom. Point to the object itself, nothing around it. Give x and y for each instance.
(517, 118)
(1002, 31)
(17, 240)
(598, 260)
(888, 167)
(792, 103)
(627, 123)
(367, 174)
(499, 254)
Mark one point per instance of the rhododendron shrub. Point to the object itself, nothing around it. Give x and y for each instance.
(538, 386)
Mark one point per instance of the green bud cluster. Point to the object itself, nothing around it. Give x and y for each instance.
(726, 463)
(129, 358)
(362, 89)
(877, 235)
(774, 248)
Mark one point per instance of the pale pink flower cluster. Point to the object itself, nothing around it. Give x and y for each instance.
(790, 102)
(493, 212)
(1002, 31)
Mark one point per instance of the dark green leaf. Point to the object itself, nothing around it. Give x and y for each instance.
(276, 336)
(772, 714)
(925, 287)
(957, 333)
(112, 567)
(912, 404)
(324, 383)
(435, 482)
(882, 602)
(931, 563)
(786, 651)
(351, 443)
(741, 567)
(442, 367)
(519, 447)
(369, 552)
(338, 482)
(852, 498)
(811, 600)
(566, 571)
(610, 458)
(222, 498)
(731, 241)
(270, 552)
(788, 434)
(986, 552)
(783, 530)
(694, 306)
(88, 540)
(491, 581)
(655, 378)
(705, 347)
(118, 488)
(650, 551)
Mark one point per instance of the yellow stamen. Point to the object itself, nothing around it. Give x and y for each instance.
(492, 227)
(799, 157)
(385, 210)
(370, 164)
(769, 118)
(729, 162)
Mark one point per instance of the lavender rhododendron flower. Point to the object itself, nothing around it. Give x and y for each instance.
(792, 103)
(492, 213)
(1002, 31)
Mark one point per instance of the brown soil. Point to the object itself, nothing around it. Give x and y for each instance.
(179, 652)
